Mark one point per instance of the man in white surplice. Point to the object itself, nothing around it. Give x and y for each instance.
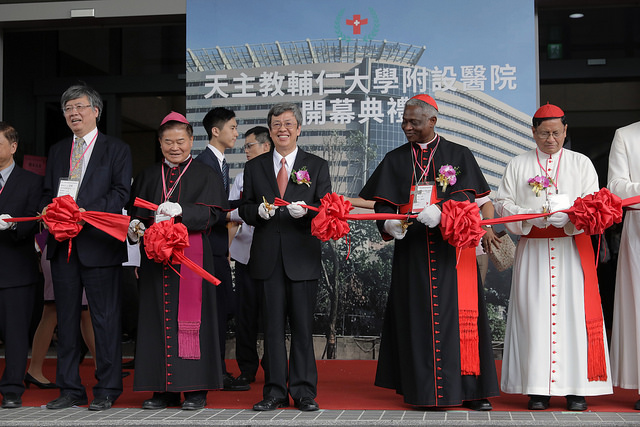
(546, 343)
(624, 181)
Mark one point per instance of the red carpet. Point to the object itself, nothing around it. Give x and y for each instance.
(343, 384)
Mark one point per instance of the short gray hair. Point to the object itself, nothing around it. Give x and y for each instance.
(80, 90)
(429, 110)
(282, 108)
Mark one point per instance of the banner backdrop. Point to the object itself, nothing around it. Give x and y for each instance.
(351, 66)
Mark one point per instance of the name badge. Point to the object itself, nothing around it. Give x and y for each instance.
(68, 187)
(422, 196)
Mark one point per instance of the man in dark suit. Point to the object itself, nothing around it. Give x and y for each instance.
(95, 169)
(286, 257)
(222, 130)
(20, 193)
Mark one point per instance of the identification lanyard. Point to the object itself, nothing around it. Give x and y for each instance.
(166, 193)
(553, 181)
(424, 171)
(72, 167)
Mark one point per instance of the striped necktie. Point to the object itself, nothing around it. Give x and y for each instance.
(76, 159)
(225, 175)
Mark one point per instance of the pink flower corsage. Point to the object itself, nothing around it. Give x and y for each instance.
(539, 183)
(447, 176)
(301, 176)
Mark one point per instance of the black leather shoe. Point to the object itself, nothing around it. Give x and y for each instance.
(11, 400)
(28, 380)
(247, 378)
(538, 402)
(576, 403)
(306, 404)
(101, 403)
(271, 403)
(478, 405)
(194, 402)
(66, 401)
(234, 384)
(637, 406)
(162, 401)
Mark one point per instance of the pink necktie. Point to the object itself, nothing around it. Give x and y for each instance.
(283, 177)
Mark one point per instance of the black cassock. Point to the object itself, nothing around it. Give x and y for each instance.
(420, 347)
(201, 195)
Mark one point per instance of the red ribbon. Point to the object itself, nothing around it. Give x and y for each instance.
(164, 242)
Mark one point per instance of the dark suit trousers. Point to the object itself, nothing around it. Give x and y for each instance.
(225, 300)
(16, 305)
(284, 298)
(248, 316)
(103, 290)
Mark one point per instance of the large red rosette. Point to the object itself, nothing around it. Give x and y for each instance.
(596, 212)
(63, 218)
(164, 238)
(460, 224)
(330, 223)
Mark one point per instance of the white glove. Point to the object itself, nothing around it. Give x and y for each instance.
(558, 202)
(538, 222)
(136, 230)
(3, 224)
(394, 228)
(296, 210)
(169, 209)
(264, 212)
(430, 216)
(558, 219)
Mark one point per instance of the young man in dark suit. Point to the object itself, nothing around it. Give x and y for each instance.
(95, 169)
(286, 257)
(222, 131)
(20, 193)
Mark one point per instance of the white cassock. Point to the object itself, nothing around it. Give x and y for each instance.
(624, 181)
(545, 349)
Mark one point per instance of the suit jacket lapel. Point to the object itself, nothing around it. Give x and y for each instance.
(96, 155)
(267, 165)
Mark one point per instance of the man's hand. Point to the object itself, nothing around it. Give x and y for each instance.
(395, 228)
(490, 239)
(3, 224)
(296, 210)
(170, 209)
(266, 212)
(558, 219)
(430, 216)
(136, 230)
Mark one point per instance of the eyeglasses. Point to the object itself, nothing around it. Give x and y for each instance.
(251, 144)
(79, 108)
(287, 125)
(545, 135)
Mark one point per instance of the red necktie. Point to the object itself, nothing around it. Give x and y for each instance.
(283, 177)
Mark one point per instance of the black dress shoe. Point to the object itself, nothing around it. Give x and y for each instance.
(478, 405)
(538, 402)
(162, 400)
(101, 403)
(271, 403)
(637, 406)
(193, 403)
(234, 384)
(11, 400)
(247, 378)
(306, 404)
(576, 403)
(66, 401)
(28, 380)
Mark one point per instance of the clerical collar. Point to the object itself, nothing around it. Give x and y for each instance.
(424, 145)
(174, 165)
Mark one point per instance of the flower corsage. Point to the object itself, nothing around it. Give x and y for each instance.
(539, 183)
(447, 176)
(301, 176)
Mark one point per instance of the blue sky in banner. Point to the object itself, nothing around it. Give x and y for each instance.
(455, 32)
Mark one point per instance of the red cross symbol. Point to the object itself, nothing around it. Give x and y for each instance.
(357, 23)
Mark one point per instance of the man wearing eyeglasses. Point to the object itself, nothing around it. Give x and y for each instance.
(248, 290)
(555, 344)
(95, 169)
(286, 257)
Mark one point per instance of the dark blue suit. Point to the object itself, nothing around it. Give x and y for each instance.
(218, 237)
(19, 265)
(94, 264)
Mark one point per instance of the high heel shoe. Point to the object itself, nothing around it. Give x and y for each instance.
(28, 380)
